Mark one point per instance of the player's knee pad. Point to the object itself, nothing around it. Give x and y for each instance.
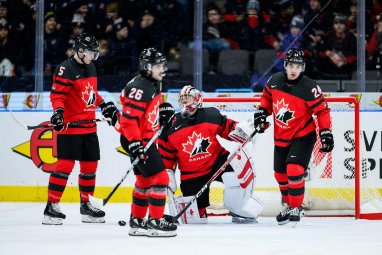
(65, 165)
(295, 173)
(239, 200)
(191, 215)
(88, 167)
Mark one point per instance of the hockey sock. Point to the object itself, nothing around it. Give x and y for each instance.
(296, 184)
(140, 197)
(56, 186)
(282, 179)
(58, 179)
(157, 194)
(87, 179)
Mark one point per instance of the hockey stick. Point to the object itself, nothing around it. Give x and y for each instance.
(293, 42)
(71, 123)
(217, 173)
(98, 202)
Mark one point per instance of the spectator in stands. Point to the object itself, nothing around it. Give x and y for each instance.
(54, 47)
(10, 49)
(278, 26)
(292, 39)
(253, 37)
(123, 50)
(148, 31)
(374, 47)
(105, 62)
(112, 18)
(339, 51)
(214, 33)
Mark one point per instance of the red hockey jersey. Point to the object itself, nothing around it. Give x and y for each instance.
(74, 89)
(293, 107)
(192, 143)
(140, 108)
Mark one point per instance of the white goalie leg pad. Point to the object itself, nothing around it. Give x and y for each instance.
(240, 200)
(191, 215)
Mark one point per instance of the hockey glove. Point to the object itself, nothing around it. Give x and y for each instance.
(136, 150)
(57, 119)
(109, 111)
(260, 119)
(166, 114)
(327, 141)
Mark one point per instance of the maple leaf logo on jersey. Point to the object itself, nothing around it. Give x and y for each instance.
(196, 144)
(89, 96)
(154, 116)
(282, 112)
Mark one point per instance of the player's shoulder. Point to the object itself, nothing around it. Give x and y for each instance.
(277, 79)
(140, 89)
(65, 69)
(209, 114)
(309, 88)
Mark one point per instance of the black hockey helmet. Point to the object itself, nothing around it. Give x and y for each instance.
(150, 57)
(295, 56)
(87, 42)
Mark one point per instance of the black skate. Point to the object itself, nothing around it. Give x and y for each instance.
(242, 220)
(53, 214)
(283, 217)
(161, 228)
(296, 214)
(90, 214)
(138, 227)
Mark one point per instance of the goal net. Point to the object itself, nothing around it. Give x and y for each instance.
(339, 183)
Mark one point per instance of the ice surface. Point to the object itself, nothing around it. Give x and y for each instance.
(21, 232)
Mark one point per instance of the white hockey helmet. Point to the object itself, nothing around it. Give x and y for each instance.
(190, 99)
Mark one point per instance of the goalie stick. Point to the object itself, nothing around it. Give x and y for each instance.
(71, 123)
(217, 173)
(98, 202)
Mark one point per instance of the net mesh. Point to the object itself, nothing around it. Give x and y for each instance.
(330, 183)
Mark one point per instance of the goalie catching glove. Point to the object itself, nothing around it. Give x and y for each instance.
(109, 111)
(57, 119)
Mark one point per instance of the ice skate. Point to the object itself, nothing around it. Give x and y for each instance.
(138, 227)
(53, 214)
(90, 214)
(283, 217)
(295, 215)
(242, 220)
(161, 228)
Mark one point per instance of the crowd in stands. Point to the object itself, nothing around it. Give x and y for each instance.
(124, 28)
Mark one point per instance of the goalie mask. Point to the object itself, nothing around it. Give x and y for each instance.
(87, 44)
(295, 56)
(190, 99)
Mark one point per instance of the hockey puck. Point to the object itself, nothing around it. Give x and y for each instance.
(122, 223)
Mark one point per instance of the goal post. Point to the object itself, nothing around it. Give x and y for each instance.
(341, 182)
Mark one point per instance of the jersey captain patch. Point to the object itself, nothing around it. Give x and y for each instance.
(196, 145)
(89, 96)
(282, 113)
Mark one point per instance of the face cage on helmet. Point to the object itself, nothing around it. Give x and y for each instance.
(189, 102)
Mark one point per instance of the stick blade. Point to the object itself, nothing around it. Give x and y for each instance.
(96, 202)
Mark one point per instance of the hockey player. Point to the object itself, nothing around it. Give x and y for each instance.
(191, 143)
(74, 97)
(293, 98)
(141, 100)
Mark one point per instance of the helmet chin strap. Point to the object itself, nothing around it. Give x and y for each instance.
(82, 59)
